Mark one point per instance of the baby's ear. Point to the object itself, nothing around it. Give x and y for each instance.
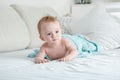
(41, 37)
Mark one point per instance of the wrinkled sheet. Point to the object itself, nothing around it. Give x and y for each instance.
(17, 66)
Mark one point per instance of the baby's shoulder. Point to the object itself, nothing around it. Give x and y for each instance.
(66, 41)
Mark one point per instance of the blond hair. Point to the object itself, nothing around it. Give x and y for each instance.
(46, 19)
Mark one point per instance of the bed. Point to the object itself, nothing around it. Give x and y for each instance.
(19, 38)
(17, 66)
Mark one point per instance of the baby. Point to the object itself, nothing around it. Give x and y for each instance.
(56, 46)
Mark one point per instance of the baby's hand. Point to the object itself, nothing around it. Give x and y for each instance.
(38, 61)
(64, 59)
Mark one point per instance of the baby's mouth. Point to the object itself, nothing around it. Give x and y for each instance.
(54, 39)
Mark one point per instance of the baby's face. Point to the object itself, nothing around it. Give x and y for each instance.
(51, 32)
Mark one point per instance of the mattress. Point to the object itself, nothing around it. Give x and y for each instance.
(17, 66)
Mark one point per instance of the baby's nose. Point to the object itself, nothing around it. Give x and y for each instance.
(54, 35)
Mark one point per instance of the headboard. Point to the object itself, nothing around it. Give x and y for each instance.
(61, 6)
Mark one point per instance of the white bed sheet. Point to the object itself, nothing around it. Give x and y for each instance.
(17, 66)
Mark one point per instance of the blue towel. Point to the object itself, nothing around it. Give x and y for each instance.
(34, 53)
(84, 46)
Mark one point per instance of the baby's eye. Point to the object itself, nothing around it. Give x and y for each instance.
(48, 34)
(57, 31)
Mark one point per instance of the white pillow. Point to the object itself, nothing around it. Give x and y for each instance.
(31, 15)
(116, 15)
(14, 34)
(100, 27)
(65, 24)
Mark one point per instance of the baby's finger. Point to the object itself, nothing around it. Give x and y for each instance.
(59, 60)
(37, 62)
(46, 60)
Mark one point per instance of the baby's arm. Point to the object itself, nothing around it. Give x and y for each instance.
(40, 57)
(72, 52)
(72, 55)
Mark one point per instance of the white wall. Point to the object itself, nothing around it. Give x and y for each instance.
(73, 1)
(109, 0)
(61, 6)
(45, 2)
(112, 0)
